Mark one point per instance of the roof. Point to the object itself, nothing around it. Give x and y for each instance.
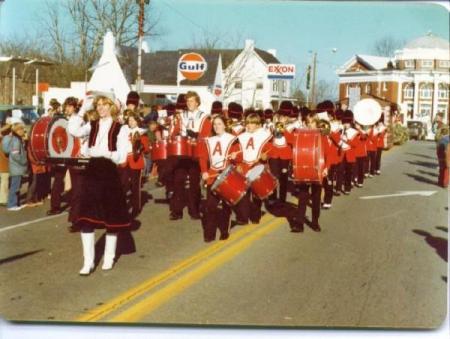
(374, 62)
(160, 67)
(428, 41)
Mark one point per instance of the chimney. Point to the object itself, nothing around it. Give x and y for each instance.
(249, 44)
(273, 52)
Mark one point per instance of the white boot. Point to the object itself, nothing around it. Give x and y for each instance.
(110, 251)
(88, 240)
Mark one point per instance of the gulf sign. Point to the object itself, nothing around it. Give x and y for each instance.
(281, 71)
(192, 66)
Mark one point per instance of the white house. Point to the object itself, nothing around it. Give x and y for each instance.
(246, 79)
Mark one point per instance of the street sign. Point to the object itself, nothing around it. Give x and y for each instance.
(191, 66)
(280, 71)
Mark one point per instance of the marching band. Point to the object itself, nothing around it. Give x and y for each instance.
(239, 160)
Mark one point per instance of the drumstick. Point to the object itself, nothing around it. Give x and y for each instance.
(226, 158)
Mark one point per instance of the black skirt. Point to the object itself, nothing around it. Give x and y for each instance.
(102, 201)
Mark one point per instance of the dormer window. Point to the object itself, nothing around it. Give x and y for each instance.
(409, 63)
(427, 63)
(444, 63)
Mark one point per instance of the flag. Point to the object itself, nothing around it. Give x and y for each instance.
(308, 77)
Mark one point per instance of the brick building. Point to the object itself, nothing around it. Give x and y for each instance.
(416, 81)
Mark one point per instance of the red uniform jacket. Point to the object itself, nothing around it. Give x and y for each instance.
(139, 163)
(351, 141)
(214, 154)
(253, 146)
(371, 141)
(380, 139)
(361, 147)
(280, 149)
(336, 154)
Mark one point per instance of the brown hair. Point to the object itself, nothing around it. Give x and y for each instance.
(70, 101)
(225, 122)
(253, 118)
(134, 115)
(54, 104)
(192, 94)
(113, 108)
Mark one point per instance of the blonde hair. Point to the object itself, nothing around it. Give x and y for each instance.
(113, 108)
(192, 94)
(253, 118)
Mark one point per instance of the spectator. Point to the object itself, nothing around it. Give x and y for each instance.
(18, 165)
(4, 167)
(442, 151)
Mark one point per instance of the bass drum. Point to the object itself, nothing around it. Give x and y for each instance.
(308, 163)
(49, 139)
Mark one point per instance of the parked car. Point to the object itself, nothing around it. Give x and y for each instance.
(417, 130)
(29, 115)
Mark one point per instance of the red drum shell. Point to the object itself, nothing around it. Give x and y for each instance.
(264, 183)
(195, 147)
(159, 150)
(230, 185)
(39, 138)
(49, 139)
(308, 161)
(179, 147)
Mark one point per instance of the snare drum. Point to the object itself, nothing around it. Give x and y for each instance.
(49, 139)
(159, 150)
(230, 185)
(262, 182)
(179, 147)
(308, 163)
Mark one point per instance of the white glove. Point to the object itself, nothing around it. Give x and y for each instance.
(88, 104)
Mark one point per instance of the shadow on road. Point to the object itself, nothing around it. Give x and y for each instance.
(444, 278)
(442, 228)
(422, 179)
(125, 245)
(426, 164)
(421, 155)
(18, 256)
(439, 244)
(283, 210)
(427, 173)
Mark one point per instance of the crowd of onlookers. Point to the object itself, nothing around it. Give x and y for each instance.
(18, 166)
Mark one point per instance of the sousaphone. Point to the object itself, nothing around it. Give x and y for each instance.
(367, 112)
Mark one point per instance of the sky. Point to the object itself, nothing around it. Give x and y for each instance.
(293, 28)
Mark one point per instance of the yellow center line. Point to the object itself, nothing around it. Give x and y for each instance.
(129, 295)
(152, 302)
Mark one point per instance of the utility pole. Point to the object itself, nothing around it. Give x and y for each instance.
(141, 3)
(313, 87)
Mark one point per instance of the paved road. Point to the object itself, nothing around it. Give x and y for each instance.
(379, 262)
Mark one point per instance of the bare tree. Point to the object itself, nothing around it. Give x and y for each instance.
(327, 90)
(386, 46)
(88, 20)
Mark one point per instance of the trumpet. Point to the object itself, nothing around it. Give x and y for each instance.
(324, 126)
(138, 148)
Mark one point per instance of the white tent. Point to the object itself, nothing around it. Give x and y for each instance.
(108, 75)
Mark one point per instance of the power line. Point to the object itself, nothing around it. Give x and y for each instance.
(183, 15)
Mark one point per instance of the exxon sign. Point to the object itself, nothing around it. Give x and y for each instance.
(192, 66)
(280, 71)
